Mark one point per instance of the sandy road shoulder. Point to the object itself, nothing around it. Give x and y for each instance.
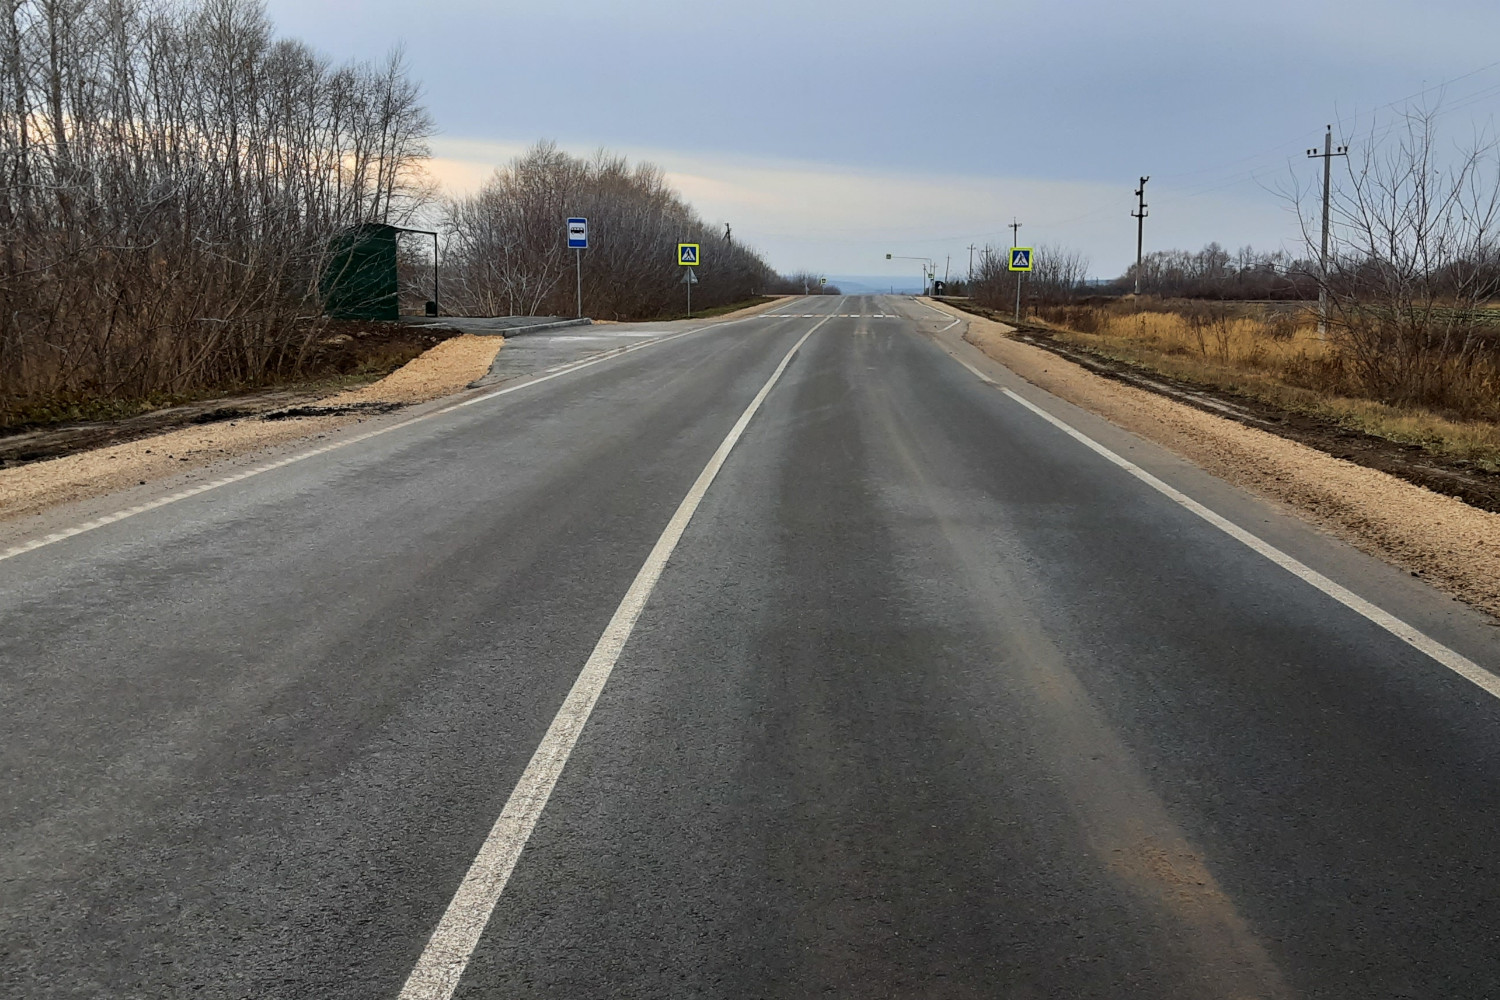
(1452, 545)
(32, 489)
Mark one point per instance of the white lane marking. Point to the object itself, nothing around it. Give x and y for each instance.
(927, 305)
(1456, 662)
(570, 368)
(448, 951)
(956, 320)
(550, 374)
(981, 375)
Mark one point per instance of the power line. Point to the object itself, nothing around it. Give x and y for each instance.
(1374, 135)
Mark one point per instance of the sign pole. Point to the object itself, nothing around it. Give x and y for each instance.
(578, 242)
(689, 255)
(1021, 261)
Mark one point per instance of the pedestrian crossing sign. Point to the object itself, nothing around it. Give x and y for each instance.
(1020, 258)
(687, 254)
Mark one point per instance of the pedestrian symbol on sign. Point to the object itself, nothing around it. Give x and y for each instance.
(687, 254)
(1020, 258)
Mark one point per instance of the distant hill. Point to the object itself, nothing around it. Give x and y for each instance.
(876, 284)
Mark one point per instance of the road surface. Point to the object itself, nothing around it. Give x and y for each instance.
(712, 668)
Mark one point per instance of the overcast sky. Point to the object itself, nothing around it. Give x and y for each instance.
(831, 133)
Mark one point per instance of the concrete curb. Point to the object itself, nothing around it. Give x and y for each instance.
(517, 331)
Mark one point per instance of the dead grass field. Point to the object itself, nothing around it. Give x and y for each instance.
(1271, 353)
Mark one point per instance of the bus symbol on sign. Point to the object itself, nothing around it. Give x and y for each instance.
(578, 234)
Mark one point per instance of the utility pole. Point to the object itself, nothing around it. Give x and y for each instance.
(1327, 157)
(972, 248)
(1015, 238)
(728, 236)
(1139, 215)
(947, 263)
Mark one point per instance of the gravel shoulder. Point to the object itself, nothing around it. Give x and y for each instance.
(36, 487)
(1447, 542)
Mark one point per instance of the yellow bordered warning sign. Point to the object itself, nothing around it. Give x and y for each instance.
(687, 254)
(1020, 258)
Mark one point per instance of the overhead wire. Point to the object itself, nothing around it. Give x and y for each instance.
(1376, 133)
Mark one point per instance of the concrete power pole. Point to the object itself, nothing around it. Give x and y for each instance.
(728, 235)
(972, 248)
(1139, 215)
(1327, 157)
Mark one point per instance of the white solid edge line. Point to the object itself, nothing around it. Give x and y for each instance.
(1456, 662)
(442, 963)
(549, 375)
(977, 373)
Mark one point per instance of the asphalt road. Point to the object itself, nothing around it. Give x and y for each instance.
(929, 699)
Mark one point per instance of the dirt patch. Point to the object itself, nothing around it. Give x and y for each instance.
(331, 411)
(34, 488)
(1451, 544)
(445, 369)
(347, 351)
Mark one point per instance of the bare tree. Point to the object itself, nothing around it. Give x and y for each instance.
(1413, 262)
(506, 252)
(169, 178)
(1058, 277)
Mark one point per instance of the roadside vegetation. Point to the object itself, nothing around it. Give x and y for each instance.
(802, 283)
(172, 174)
(1411, 349)
(169, 178)
(504, 253)
(1273, 353)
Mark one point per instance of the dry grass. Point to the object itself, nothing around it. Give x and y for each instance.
(1271, 353)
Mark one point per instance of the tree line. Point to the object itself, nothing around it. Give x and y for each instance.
(172, 174)
(1411, 284)
(1058, 275)
(169, 177)
(505, 250)
(1215, 273)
